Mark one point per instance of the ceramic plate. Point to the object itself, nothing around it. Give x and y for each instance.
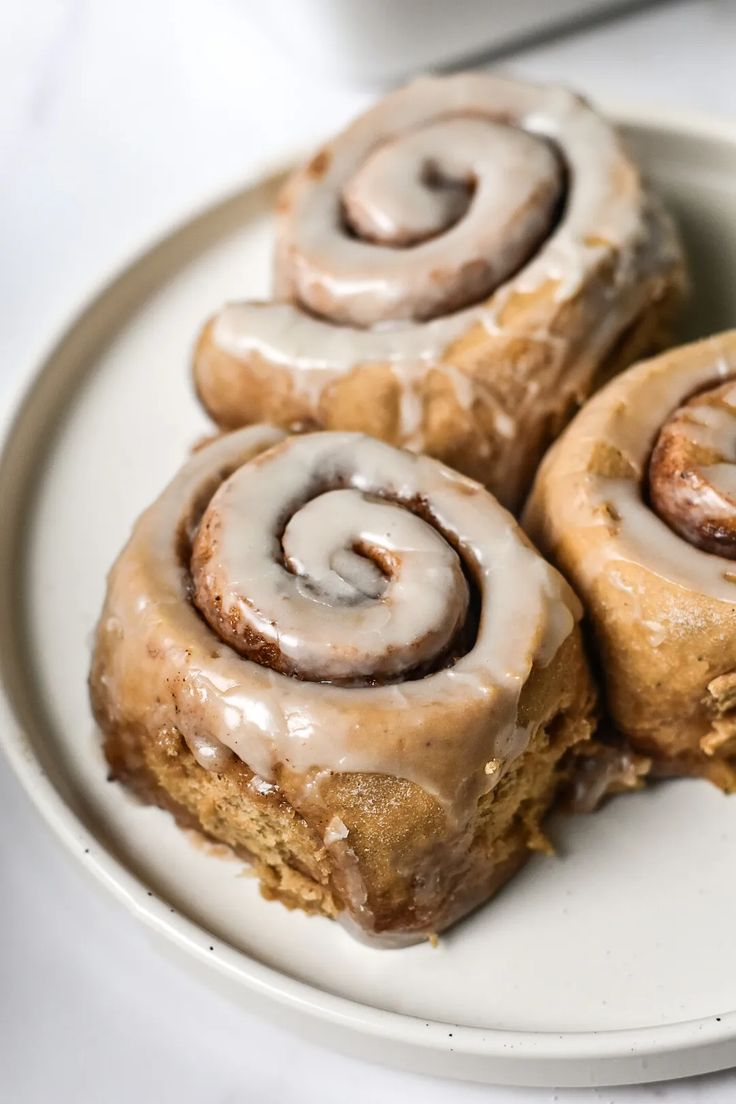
(613, 962)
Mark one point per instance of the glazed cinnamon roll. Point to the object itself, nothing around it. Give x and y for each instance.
(347, 663)
(636, 503)
(453, 274)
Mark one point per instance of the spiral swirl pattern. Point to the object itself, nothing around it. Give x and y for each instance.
(418, 225)
(451, 272)
(296, 595)
(332, 584)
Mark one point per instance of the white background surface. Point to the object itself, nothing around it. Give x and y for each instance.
(115, 118)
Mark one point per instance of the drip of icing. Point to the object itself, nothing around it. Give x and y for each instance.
(411, 408)
(281, 334)
(261, 786)
(336, 830)
(209, 752)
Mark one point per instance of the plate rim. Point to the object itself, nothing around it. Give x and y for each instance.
(613, 1051)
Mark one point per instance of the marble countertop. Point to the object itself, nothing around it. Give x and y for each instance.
(117, 118)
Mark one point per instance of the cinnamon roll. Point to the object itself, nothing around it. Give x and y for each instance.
(347, 663)
(636, 503)
(453, 274)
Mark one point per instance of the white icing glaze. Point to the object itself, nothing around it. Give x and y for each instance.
(391, 197)
(261, 786)
(373, 171)
(714, 427)
(452, 722)
(208, 751)
(711, 425)
(722, 477)
(597, 204)
(283, 334)
(411, 408)
(604, 212)
(327, 624)
(381, 184)
(336, 830)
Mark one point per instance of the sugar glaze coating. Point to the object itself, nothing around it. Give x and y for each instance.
(361, 587)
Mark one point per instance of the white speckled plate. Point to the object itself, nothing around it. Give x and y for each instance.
(614, 962)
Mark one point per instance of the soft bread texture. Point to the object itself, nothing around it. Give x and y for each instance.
(402, 804)
(416, 337)
(401, 872)
(625, 505)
